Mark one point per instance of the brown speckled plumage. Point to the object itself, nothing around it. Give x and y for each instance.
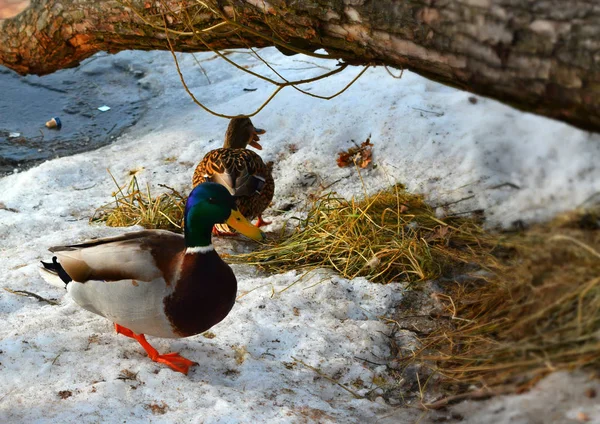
(239, 169)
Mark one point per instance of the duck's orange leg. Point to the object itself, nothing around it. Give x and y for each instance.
(261, 222)
(174, 360)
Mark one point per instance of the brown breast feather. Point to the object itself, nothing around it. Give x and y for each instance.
(204, 295)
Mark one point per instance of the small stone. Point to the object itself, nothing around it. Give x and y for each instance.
(440, 213)
(582, 417)
(70, 110)
(380, 400)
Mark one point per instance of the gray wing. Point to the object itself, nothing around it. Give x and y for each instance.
(141, 255)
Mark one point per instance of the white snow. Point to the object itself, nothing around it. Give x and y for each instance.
(425, 135)
(561, 397)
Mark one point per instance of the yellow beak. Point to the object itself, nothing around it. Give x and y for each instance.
(237, 221)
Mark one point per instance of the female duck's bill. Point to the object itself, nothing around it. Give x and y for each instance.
(241, 133)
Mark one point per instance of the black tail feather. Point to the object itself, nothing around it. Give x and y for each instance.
(58, 269)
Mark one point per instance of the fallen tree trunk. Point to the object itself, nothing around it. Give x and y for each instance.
(540, 56)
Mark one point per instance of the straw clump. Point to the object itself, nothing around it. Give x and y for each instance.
(540, 315)
(390, 236)
(135, 206)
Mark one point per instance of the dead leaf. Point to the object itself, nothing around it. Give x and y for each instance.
(4, 207)
(157, 409)
(126, 374)
(64, 394)
(209, 335)
(439, 233)
(361, 155)
(240, 354)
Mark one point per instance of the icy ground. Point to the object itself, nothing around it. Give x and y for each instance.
(73, 95)
(278, 354)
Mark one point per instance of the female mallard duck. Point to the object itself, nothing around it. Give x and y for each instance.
(242, 171)
(156, 282)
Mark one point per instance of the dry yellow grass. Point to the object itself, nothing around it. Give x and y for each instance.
(541, 314)
(134, 206)
(390, 236)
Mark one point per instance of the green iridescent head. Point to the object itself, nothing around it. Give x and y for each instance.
(210, 204)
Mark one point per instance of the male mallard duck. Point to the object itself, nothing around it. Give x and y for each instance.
(242, 171)
(156, 282)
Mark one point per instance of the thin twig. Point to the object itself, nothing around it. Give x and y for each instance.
(438, 114)
(264, 36)
(334, 381)
(172, 31)
(392, 75)
(481, 394)
(287, 82)
(312, 63)
(30, 294)
(454, 202)
(201, 68)
(577, 242)
(369, 362)
(56, 358)
(185, 17)
(279, 85)
(506, 184)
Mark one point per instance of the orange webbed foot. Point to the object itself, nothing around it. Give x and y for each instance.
(173, 360)
(261, 222)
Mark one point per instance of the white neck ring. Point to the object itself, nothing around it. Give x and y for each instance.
(199, 249)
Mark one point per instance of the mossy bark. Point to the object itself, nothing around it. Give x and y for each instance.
(542, 56)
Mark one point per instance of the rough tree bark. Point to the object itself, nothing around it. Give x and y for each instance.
(538, 55)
